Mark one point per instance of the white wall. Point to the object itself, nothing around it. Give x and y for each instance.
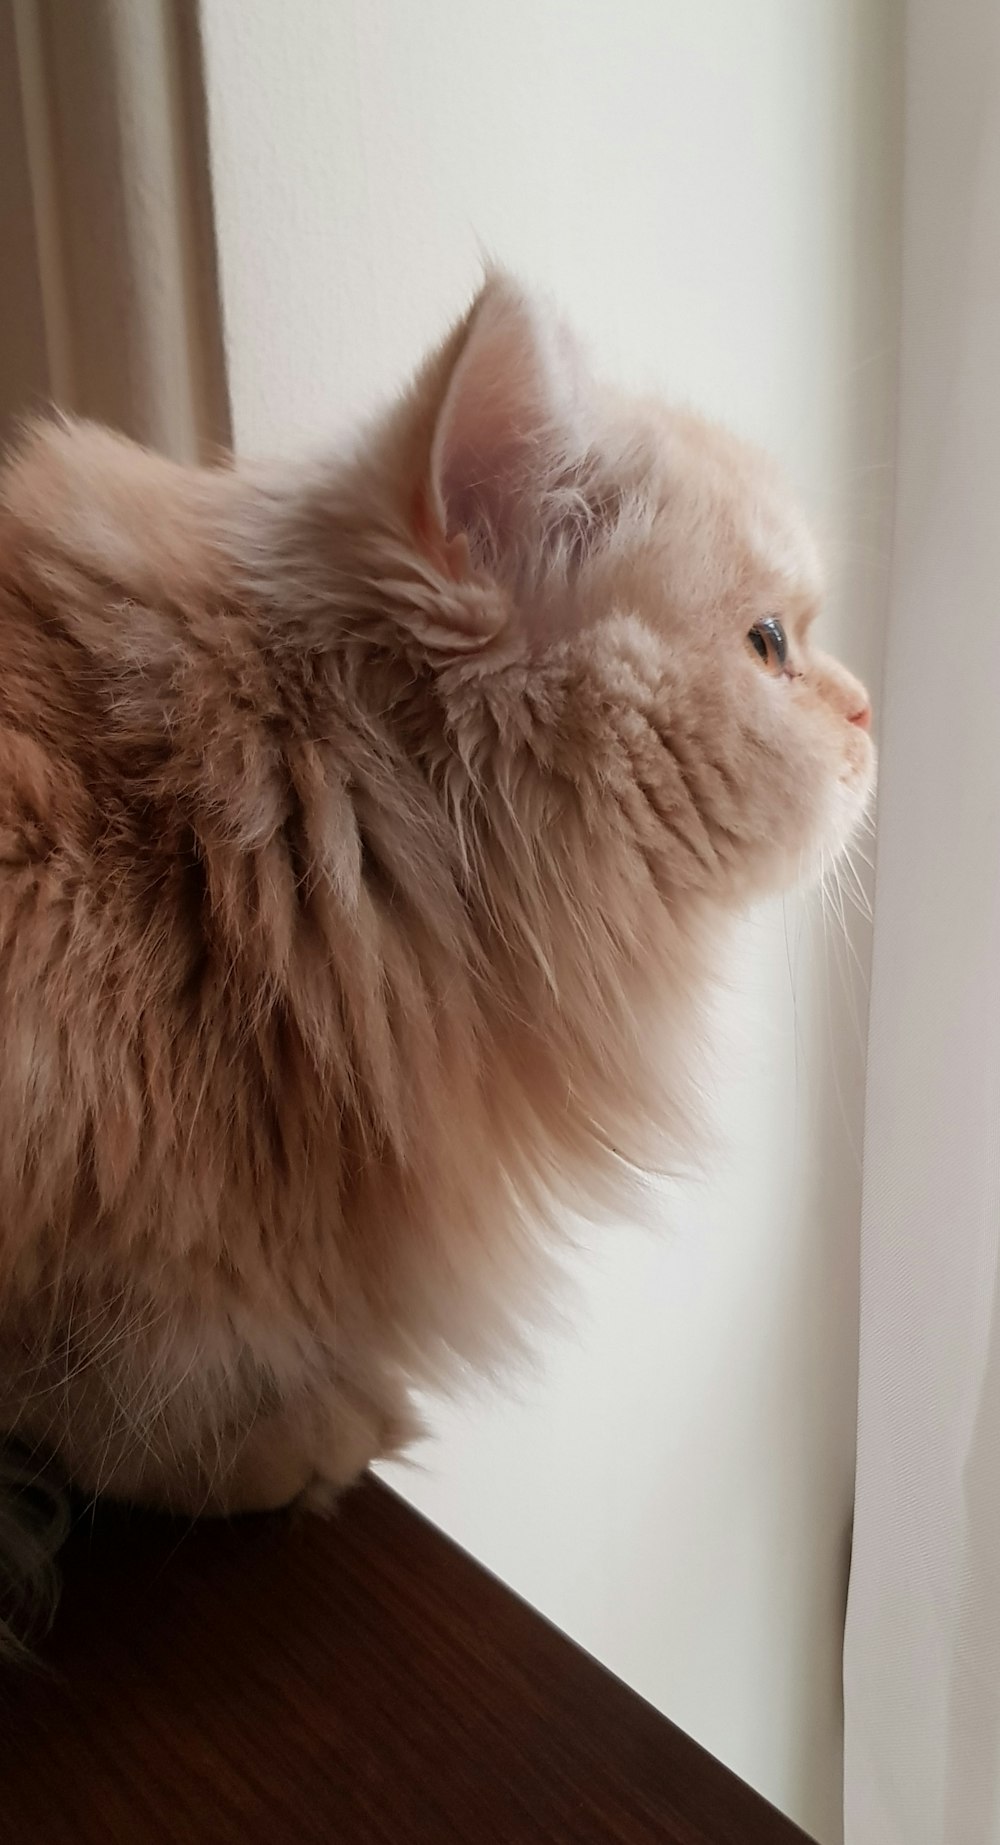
(709, 187)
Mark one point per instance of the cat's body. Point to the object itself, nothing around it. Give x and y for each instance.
(365, 834)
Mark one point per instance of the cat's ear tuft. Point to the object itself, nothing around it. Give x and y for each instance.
(507, 431)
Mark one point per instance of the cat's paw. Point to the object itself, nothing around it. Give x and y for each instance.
(359, 1437)
(307, 1454)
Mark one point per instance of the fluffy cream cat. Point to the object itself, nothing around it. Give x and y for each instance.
(366, 833)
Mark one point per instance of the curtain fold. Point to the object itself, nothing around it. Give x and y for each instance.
(109, 189)
(922, 1656)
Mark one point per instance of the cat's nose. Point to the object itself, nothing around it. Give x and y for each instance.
(862, 717)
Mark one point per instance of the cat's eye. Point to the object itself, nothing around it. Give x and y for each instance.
(769, 641)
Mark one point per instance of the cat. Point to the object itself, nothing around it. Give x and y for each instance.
(368, 829)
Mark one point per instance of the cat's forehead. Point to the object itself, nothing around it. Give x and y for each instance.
(739, 487)
(782, 544)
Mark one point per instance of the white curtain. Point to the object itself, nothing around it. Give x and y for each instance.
(922, 1663)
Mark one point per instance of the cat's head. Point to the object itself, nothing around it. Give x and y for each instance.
(556, 518)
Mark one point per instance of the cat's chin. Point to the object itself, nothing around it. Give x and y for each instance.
(803, 866)
(850, 801)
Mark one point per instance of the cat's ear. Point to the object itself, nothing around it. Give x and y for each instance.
(507, 428)
(501, 448)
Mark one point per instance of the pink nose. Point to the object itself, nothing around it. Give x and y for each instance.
(862, 717)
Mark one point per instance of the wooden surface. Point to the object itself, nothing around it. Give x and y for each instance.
(357, 1682)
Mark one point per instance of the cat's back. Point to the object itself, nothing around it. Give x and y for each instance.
(85, 534)
(111, 574)
(119, 726)
(136, 523)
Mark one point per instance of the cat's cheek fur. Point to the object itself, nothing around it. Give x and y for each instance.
(809, 777)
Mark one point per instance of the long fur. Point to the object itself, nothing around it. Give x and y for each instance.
(367, 830)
